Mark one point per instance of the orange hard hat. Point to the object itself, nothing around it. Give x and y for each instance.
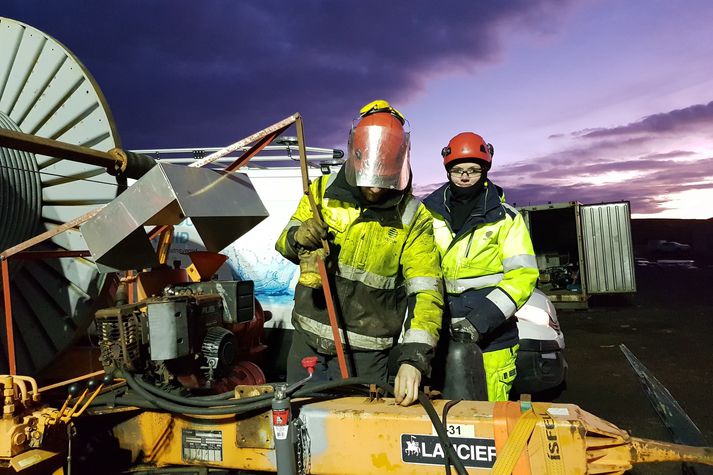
(467, 146)
(378, 153)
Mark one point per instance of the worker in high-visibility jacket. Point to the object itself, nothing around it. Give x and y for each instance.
(383, 260)
(489, 266)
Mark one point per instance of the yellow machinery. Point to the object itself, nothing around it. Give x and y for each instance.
(356, 435)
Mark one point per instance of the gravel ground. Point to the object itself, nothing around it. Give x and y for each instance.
(668, 325)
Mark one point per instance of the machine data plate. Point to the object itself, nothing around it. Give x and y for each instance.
(203, 445)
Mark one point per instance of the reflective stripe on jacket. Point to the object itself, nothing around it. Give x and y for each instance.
(381, 260)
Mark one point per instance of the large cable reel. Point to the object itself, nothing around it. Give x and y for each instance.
(45, 91)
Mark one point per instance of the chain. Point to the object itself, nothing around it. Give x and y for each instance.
(302, 443)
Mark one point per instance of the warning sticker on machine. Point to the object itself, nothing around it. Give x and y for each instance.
(203, 445)
(427, 449)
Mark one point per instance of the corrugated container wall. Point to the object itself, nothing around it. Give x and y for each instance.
(608, 256)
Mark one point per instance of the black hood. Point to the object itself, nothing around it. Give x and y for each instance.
(488, 208)
(386, 212)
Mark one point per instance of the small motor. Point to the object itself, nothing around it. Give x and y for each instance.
(176, 337)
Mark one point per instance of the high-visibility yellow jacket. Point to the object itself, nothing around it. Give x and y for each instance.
(489, 266)
(386, 273)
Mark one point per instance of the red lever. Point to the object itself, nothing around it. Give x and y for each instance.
(309, 363)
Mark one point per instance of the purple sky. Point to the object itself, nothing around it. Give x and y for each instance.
(589, 100)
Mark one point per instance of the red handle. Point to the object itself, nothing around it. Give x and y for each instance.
(309, 363)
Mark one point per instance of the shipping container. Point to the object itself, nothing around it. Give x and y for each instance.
(582, 250)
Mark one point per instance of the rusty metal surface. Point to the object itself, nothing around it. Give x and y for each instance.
(256, 431)
(49, 234)
(54, 148)
(283, 124)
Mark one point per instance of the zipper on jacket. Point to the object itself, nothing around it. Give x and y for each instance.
(470, 241)
(472, 233)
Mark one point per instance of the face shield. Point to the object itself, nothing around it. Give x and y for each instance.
(378, 153)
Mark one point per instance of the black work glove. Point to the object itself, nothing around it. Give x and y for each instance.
(310, 234)
(485, 317)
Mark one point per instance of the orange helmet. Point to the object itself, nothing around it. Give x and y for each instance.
(467, 146)
(378, 152)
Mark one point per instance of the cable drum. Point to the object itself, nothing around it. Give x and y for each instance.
(20, 195)
(45, 91)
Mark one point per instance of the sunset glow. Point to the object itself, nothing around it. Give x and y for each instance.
(583, 100)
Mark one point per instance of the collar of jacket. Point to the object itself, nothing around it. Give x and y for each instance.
(488, 210)
(387, 213)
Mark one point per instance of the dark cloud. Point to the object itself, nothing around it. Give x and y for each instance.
(645, 188)
(687, 119)
(187, 73)
(642, 162)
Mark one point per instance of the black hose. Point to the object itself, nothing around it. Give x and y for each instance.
(194, 401)
(451, 456)
(183, 409)
(124, 401)
(200, 402)
(444, 419)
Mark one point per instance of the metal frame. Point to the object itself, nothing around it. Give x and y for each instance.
(250, 146)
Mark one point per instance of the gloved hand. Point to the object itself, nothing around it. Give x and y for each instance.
(408, 379)
(463, 328)
(310, 234)
(485, 316)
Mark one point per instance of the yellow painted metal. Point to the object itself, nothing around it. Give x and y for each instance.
(655, 451)
(25, 422)
(355, 435)
(32, 459)
(162, 436)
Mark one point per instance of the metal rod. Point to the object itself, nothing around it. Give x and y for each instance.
(645, 451)
(247, 140)
(37, 255)
(331, 311)
(254, 150)
(48, 234)
(71, 381)
(8, 317)
(55, 148)
(191, 150)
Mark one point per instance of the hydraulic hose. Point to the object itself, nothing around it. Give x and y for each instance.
(199, 402)
(170, 406)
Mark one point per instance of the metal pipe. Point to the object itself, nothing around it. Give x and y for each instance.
(331, 311)
(231, 159)
(48, 234)
(193, 150)
(8, 316)
(54, 148)
(247, 140)
(646, 451)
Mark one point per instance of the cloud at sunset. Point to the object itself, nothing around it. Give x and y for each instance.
(641, 162)
(207, 73)
(587, 101)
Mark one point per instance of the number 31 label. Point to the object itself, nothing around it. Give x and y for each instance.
(458, 430)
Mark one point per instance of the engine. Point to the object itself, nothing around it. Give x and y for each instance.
(194, 335)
